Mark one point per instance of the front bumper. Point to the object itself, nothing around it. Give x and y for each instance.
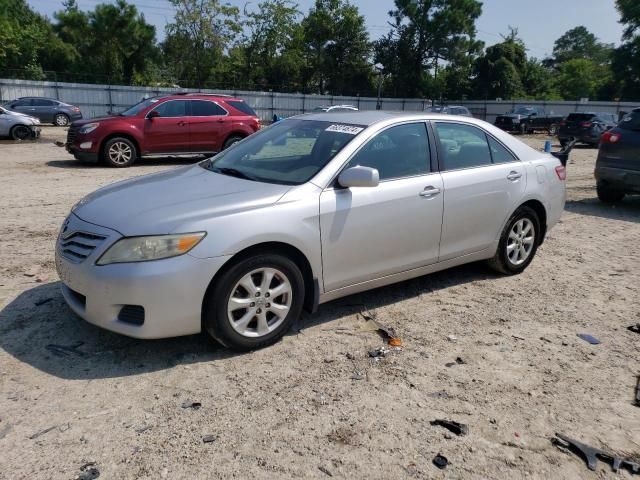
(88, 157)
(170, 291)
(620, 179)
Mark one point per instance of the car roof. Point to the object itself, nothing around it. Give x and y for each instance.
(202, 96)
(371, 117)
(42, 98)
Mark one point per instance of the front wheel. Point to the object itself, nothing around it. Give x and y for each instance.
(518, 243)
(119, 152)
(254, 302)
(20, 132)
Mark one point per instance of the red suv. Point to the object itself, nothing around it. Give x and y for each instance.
(182, 124)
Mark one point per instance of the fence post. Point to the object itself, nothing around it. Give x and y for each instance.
(404, 101)
(273, 105)
(56, 87)
(304, 98)
(109, 92)
(358, 102)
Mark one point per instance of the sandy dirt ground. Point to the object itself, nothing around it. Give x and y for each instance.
(315, 405)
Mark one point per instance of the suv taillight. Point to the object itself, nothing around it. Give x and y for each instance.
(561, 172)
(586, 124)
(610, 137)
(563, 123)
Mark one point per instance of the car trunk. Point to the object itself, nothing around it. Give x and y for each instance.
(576, 124)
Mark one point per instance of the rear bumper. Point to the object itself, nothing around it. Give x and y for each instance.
(592, 138)
(619, 179)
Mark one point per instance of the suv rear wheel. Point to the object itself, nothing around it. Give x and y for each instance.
(119, 152)
(609, 195)
(254, 302)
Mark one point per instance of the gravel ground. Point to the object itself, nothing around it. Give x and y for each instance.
(314, 405)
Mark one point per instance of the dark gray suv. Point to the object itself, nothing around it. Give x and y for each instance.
(618, 165)
(48, 110)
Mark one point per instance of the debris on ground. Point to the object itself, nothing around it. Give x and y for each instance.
(638, 393)
(358, 375)
(43, 301)
(589, 338)
(144, 428)
(325, 471)
(66, 350)
(518, 337)
(88, 471)
(41, 432)
(591, 455)
(459, 361)
(459, 429)
(440, 461)
(209, 438)
(388, 333)
(440, 394)
(383, 352)
(192, 405)
(452, 338)
(634, 328)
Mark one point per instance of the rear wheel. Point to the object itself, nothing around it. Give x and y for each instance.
(231, 140)
(518, 243)
(553, 129)
(254, 302)
(20, 132)
(119, 152)
(61, 120)
(608, 194)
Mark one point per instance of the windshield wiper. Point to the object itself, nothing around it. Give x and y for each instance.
(232, 172)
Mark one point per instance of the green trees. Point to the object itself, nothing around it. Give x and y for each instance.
(428, 36)
(626, 59)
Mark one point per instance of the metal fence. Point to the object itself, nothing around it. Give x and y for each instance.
(97, 100)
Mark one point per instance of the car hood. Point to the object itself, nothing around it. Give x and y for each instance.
(23, 116)
(169, 201)
(79, 123)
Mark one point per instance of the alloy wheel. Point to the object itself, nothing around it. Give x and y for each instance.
(259, 302)
(521, 241)
(120, 153)
(61, 120)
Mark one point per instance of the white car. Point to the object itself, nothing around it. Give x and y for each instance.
(308, 210)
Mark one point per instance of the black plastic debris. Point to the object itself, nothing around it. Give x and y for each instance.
(453, 427)
(144, 428)
(634, 328)
(440, 461)
(459, 361)
(638, 393)
(591, 455)
(325, 470)
(41, 432)
(191, 405)
(43, 301)
(66, 350)
(88, 471)
(589, 338)
(209, 438)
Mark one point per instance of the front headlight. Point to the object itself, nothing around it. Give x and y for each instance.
(36, 121)
(142, 249)
(88, 128)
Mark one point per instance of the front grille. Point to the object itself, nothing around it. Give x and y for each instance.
(133, 314)
(79, 245)
(71, 134)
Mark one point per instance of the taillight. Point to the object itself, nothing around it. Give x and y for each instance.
(586, 124)
(561, 172)
(610, 137)
(563, 123)
(75, 109)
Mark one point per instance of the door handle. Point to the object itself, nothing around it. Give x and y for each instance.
(181, 123)
(429, 192)
(513, 176)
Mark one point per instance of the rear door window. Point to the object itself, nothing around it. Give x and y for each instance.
(463, 146)
(243, 107)
(580, 117)
(205, 108)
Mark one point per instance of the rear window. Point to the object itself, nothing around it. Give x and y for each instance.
(580, 117)
(631, 121)
(243, 107)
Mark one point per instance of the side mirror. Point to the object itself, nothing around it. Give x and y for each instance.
(153, 114)
(359, 177)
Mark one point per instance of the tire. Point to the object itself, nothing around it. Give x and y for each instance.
(553, 129)
(609, 195)
(119, 152)
(231, 140)
(512, 261)
(20, 132)
(523, 129)
(231, 318)
(61, 120)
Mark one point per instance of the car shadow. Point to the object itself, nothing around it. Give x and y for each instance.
(628, 210)
(39, 329)
(160, 161)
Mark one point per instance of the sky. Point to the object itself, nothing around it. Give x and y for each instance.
(539, 22)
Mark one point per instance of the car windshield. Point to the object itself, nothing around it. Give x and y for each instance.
(138, 107)
(523, 110)
(290, 152)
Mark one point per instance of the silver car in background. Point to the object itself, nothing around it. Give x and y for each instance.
(18, 125)
(311, 209)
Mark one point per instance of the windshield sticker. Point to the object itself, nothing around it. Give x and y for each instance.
(350, 129)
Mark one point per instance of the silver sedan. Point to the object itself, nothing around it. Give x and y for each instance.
(311, 209)
(18, 125)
